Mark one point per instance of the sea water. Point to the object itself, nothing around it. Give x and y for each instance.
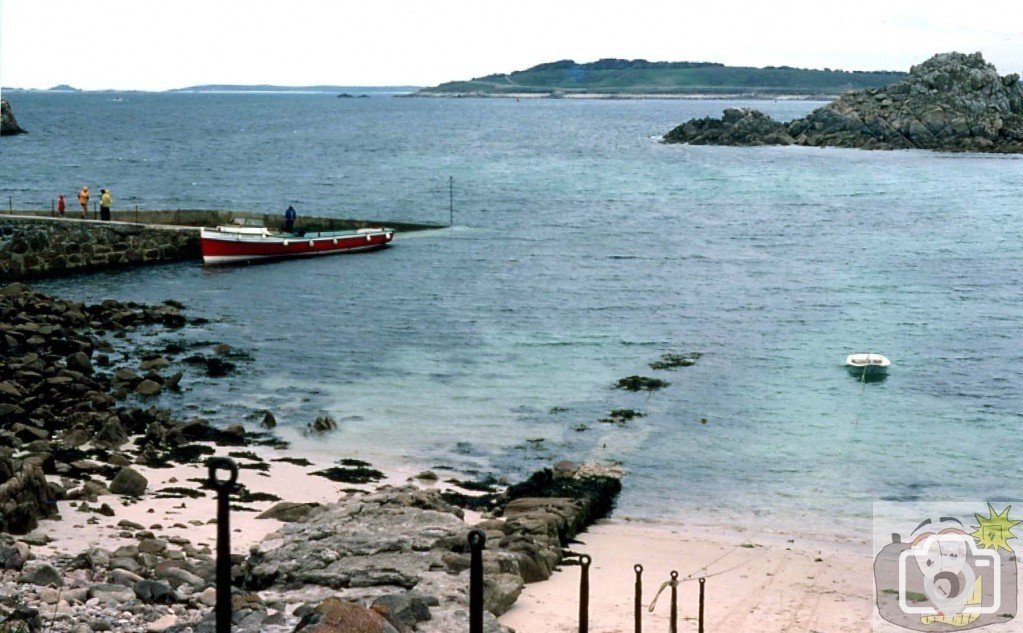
(583, 249)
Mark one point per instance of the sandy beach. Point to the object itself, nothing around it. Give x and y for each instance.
(760, 584)
(755, 583)
(194, 518)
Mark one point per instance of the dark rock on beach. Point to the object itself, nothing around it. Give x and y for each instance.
(8, 126)
(951, 102)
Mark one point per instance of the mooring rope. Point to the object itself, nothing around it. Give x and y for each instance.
(675, 582)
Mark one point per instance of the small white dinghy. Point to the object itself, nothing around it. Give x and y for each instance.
(867, 366)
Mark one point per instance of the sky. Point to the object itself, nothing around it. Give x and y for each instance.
(163, 44)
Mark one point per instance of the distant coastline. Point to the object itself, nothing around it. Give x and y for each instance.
(623, 96)
(231, 88)
(639, 78)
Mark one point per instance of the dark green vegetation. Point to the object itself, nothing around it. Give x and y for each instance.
(621, 416)
(638, 76)
(641, 383)
(351, 472)
(673, 361)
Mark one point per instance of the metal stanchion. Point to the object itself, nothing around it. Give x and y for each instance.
(639, 598)
(703, 581)
(224, 488)
(584, 594)
(477, 540)
(673, 615)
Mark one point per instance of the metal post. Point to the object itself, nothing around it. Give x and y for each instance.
(584, 594)
(639, 598)
(224, 487)
(477, 539)
(451, 200)
(673, 623)
(10, 204)
(703, 581)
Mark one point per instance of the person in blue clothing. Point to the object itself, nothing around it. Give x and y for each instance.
(289, 219)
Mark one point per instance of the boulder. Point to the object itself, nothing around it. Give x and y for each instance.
(155, 592)
(111, 594)
(404, 611)
(288, 511)
(25, 496)
(148, 388)
(334, 615)
(500, 591)
(129, 481)
(40, 574)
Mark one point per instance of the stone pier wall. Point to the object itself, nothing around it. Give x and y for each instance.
(42, 246)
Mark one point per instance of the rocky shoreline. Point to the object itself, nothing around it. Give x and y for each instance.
(951, 102)
(80, 442)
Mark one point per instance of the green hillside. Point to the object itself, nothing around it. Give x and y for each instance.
(621, 76)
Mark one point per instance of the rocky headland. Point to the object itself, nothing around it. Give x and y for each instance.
(8, 126)
(81, 438)
(951, 102)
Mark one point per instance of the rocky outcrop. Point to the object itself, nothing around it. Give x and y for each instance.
(951, 102)
(400, 549)
(738, 126)
(8, 126)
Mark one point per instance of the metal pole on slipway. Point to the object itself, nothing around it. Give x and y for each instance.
(639, 598)
(673, 614)
(224, 488)
(584, 594)
(703, 581)
(477, 540)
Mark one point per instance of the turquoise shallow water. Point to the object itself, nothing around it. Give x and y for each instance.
(582, 251)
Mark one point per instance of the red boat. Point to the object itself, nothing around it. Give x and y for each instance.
(235, 244)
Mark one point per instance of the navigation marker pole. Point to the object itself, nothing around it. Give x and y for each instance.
(451, 201)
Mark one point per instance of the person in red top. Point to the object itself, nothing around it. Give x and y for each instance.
(61, 205)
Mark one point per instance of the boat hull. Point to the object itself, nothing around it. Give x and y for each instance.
(867, 367)
(228, 247)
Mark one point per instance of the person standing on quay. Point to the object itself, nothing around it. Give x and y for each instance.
(104, 204)
(289, 219)
(83, 199)
(61, 205)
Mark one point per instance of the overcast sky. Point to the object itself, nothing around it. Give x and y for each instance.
(161, 44)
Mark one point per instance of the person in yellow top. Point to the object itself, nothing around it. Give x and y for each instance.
(104, 204)
(83, 199)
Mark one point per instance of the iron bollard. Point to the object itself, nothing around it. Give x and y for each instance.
(477, 540)
(703, 581)
(639, 598)
(584, 594)
(224, 488)
(673, 614)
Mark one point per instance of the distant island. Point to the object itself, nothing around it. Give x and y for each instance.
(298, 89)
(610, 78)
(952, 102)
